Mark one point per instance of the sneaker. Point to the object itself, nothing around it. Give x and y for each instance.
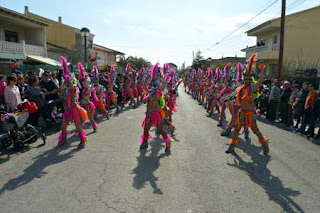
(230, 149)
(265, 148)
(144, 145)
(220, 123)
(226, 133)
(246, 134)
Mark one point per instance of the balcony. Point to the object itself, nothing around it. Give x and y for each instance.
(12, 50)
(264, 52)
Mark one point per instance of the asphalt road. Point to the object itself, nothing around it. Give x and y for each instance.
(111, 175)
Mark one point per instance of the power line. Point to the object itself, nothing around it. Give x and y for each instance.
(292, 6)
(241, 26)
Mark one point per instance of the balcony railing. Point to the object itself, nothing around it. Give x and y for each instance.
(21, 49)
(264, 52)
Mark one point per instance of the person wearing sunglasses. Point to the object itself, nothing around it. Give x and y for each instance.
(247, 113)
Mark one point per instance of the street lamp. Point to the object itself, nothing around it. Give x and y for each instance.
(85, 32)
(209, 59)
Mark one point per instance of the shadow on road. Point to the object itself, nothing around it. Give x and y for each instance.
(36, 170)
(147, 165)
(259, 173)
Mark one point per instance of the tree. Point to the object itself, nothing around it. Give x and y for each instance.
(198, 60)
(135, 62)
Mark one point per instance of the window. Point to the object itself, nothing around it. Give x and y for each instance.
(275, 39)
(11, 36)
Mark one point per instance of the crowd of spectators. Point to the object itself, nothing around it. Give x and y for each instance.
(296, 106)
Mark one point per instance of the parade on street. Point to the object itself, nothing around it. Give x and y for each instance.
(123, 115)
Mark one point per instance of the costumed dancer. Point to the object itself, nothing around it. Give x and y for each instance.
(88, 93)
(127, 92)
(233, 107)
(72, 111)
(99, 102)
(155, 115)
(224, 93)
(111, 95)
(247, 113)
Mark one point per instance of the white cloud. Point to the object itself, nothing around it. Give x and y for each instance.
(107, 21)
(145, 30)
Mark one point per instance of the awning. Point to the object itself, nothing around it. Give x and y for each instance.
(44, 60)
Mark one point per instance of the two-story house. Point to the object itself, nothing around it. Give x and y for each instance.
(21, 38)
(63, 39)
(105, 56)
(301, 40)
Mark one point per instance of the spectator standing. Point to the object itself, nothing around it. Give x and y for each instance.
(314, 118)
(308, 107)
(11, 94)
(299, 103)
(22, 86)
(54, 79)
(273, 101)
(284, 102)
(293, 97)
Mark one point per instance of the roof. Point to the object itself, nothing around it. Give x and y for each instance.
(44, 60)
(77, 30)
(106, 49)
(277, 19)
(15, 14)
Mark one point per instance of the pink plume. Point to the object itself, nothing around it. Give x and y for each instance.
(173, 75)
(81, 70)
(95, 72)
(154, 70)
(217, 74)
(209, 73)
(111, 71)
(239, 69)
(128, 67)
(225, 70)
(64, 66)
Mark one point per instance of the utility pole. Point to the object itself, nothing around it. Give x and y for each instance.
(192, 57)
(283, 18)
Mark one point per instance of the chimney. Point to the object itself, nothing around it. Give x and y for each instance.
(26, 10)
(60, 20)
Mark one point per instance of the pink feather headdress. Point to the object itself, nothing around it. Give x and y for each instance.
(128, 67)
(111, 71)
(217, 74)
(95, 72)
(239, 71)
(225, 70)
(193, 73)
(173, 74)
(81, 71)
(209, 73)
(154, 71)
(65, 68)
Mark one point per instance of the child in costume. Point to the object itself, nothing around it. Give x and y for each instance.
(88, 93)
(99, 102)
(154, 115)
(111, 95)
(72, 111)
(247, 113)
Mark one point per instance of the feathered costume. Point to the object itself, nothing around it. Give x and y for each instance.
(89, 97)
(72, 111)
(154, 115)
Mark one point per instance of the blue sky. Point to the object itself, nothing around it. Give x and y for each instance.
(166, 30)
